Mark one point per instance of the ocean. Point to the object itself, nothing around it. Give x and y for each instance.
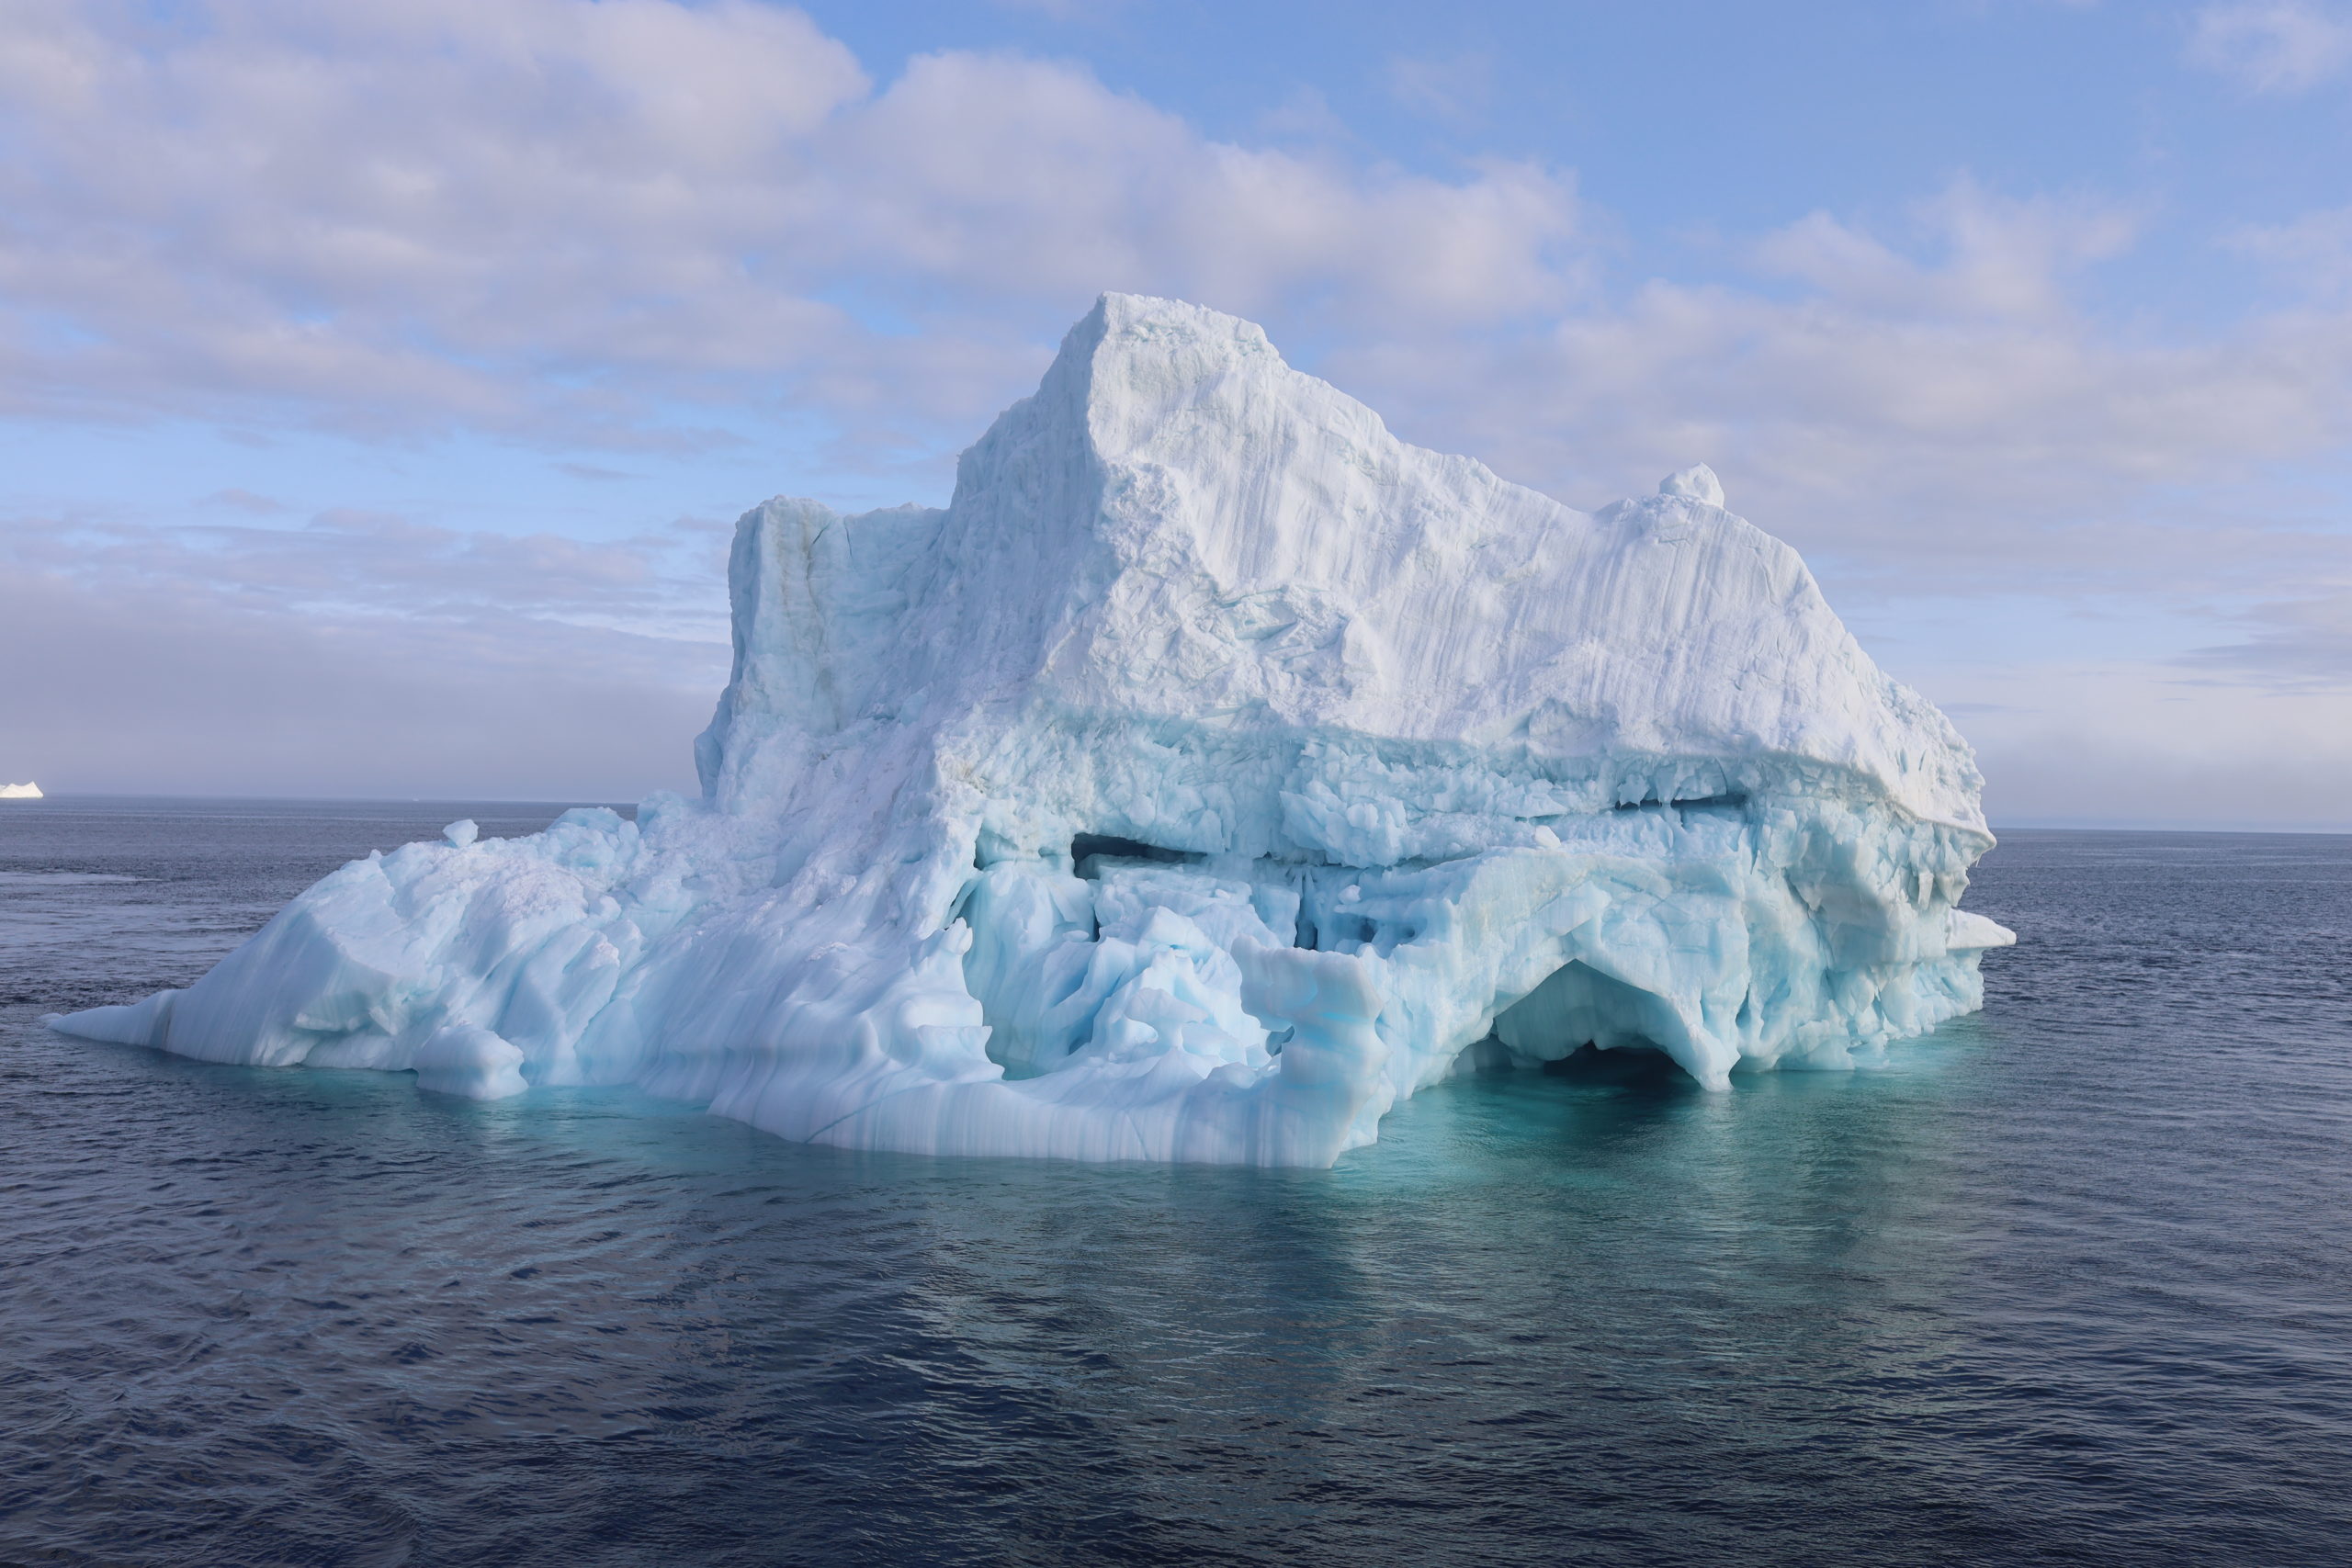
(2068, 1281)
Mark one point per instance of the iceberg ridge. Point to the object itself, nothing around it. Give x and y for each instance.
(1212, 771)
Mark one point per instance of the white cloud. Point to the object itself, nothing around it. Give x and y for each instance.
(2001, 260)
(2273, 46)
(549, 215)
(1945, 413)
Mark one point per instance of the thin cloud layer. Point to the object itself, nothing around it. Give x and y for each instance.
(359, 655)
(2122, 743)
(2294, 644)
(2273, 46)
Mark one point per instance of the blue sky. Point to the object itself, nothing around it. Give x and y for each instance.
(376, 384)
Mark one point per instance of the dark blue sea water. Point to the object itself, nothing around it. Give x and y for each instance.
(2071, 1283)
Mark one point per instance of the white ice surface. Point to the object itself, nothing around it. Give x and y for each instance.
(1212, 771)
(20, 792)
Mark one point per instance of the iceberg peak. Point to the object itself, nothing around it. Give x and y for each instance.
(1214, 770)
(1696, 482)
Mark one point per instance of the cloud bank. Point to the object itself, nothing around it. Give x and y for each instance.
(357, 655)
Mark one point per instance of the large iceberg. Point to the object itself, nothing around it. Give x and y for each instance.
(1214, 772)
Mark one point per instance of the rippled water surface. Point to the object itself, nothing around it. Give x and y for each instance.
(2069, 1282)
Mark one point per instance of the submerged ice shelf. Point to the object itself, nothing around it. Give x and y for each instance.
(1214, 771)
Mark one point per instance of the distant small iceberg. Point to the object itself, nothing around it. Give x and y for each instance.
(20, 792)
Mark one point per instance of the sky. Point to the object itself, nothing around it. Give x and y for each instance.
(379, 384)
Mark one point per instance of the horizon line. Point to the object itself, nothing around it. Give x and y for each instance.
(2021, 825)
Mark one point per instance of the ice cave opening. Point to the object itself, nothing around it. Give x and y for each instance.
(1577, 1010)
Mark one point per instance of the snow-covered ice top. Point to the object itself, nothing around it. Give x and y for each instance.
(1181, 532)
(1214, 770)
(20, 792)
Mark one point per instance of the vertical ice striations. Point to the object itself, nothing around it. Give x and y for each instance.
(1216, 770)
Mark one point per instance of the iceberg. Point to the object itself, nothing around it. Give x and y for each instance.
(1213, 773)
(20, 792)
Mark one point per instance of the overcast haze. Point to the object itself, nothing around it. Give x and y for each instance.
(378, 384)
